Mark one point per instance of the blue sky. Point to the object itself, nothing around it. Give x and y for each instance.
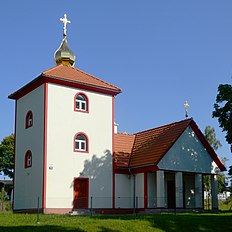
(159, 52)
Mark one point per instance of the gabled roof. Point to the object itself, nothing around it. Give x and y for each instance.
(155, 143)
(68, 76)
(150, 146)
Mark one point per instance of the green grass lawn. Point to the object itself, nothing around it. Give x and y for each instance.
(115, 223)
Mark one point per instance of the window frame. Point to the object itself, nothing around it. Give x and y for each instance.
(86, 143)
(29, 119)
(86, 103)
(27, 158)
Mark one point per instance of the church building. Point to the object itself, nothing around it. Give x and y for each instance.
(69, 156)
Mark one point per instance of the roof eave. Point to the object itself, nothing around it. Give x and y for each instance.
(42, 78)
(101, 89)
(137, 169)
(20, 92)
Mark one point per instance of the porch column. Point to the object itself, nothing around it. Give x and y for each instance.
(198, 191)
(160, 189)
(214, 184)
(179, 189)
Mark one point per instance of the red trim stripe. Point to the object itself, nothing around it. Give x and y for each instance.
(113, 171)
(137, 170)
(45, 145)
(45, 79)
(14, 153)
(207, 146)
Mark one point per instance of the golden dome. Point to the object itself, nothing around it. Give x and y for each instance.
(64, 55)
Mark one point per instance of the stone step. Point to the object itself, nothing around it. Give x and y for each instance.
(81, 212)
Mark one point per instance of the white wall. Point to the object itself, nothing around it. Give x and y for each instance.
(124, 196)
(29, 182)
(63, 124)
(139, 189)
(187, 154)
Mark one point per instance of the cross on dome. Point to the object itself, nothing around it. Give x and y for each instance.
(63, 54)
(65, 22)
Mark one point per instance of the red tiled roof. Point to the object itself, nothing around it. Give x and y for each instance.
(150, 146)
(68, 76)
(154, 143)
(73, 74)
(123, 144)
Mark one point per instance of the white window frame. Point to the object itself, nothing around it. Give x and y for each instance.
(80, 104)
(80, 143)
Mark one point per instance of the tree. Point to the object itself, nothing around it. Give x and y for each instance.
(210, 136)
(230, 177)
(223, 110)
(2, 194)
(7, 156)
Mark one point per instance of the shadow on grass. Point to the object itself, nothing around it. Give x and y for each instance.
(38, 228)
(181, 222)
(192, 223)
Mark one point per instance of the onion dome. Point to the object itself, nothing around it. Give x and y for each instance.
(64, 55)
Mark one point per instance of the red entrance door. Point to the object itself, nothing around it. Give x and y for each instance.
(81, 193)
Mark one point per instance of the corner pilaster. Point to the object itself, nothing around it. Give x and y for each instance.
(160, 189)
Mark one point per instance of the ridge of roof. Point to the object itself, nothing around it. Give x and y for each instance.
(169, 124)
(123, 133)
(97, 78)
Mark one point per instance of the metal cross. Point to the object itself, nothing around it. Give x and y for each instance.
(186, 105)
(65, 22)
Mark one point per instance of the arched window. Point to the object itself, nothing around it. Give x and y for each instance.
(81, 102)
(29, 120)
(28, 159)
(81, 142)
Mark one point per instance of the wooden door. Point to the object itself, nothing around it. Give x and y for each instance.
(171, 194)
(81, 193)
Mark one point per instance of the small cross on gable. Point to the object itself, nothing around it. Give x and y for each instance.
(186, 105)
